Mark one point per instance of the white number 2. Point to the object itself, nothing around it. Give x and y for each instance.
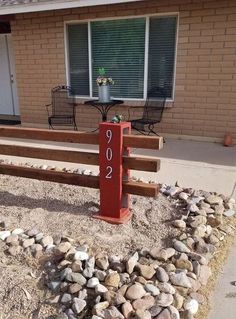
(109, 174)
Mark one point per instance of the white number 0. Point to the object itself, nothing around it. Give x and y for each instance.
(109, 154)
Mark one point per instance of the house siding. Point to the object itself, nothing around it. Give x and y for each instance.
(205, 95)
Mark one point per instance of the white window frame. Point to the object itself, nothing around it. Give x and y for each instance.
(147, 17)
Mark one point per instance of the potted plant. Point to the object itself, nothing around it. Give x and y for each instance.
(104, 83)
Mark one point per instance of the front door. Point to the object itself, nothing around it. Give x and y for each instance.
(8, 90)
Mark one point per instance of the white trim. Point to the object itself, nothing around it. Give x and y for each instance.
(175, 61)
(147, 16)
(90, 60)
(67, 62)
(52, 5)
(145, 82)
(164, 14)
(81, 99)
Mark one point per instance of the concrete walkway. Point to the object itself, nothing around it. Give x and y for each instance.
(224, 297)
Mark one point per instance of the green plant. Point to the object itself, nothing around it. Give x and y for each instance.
(101, 71)
(102, 79)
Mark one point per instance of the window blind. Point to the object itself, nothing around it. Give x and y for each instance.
(161, 57)
(78, 58)
(119, 47)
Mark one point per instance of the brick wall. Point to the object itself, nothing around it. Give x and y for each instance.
(205, 95)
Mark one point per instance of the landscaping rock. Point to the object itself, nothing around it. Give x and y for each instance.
(178, 301)
(162, 275)
(4, 234)
(63, 247)
(112, 312)
(180, 279)
(78, 305)
(12, 240)
(205, 273)
(146, 271)
(92, 282)
(112, 280)
(179, 223)
(74, 288)
(181, 247)
(131, 263)
(81, 255)
(162, 254)
(100, 289)
(144, 303)
(28, 242)
(17, 231)
(102, 262)
(166, 288)
(66, 298)
(165, 314)
(32, 232)
(14, 250)
(153, 290)
(164, 300)
(76, 277)
(46, 241)
(127, 309)
(191, 305)
(213, 200)
(135, 291)
(184, 264)
(174, 313)
(77, 266)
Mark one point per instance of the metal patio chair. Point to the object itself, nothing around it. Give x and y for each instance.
(62, 107)
(152, 112)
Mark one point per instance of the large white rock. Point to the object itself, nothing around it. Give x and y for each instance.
(191, 305)
(4, 234)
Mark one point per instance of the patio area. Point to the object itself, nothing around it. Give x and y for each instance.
(200, 165)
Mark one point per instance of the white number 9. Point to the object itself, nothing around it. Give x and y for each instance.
(109, 135)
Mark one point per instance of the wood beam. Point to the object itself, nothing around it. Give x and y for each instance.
(141, 189)
(88, 158)
(135, 188)
(49, 135)
(143, 141)
(141, 164)
(137, 141)
(50, 154)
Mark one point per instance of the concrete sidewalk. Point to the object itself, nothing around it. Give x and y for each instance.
(224, 296)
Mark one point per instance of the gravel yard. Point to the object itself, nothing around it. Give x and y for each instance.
(58, 209)
(63, 209)
(57, 262)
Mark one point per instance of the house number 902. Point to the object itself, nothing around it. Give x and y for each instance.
(109, 154)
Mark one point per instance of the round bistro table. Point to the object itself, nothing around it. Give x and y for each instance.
(103, 108)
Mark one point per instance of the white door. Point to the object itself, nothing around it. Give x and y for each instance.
(8, 90)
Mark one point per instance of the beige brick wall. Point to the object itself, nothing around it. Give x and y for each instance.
(205, 95)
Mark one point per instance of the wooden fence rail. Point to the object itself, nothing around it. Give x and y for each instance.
(114, 161)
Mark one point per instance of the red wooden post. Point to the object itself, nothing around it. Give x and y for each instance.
(114, 205)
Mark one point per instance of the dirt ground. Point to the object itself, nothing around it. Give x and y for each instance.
(62, 209)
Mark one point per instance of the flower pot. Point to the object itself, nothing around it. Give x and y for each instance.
(228, 139)
(104, 93)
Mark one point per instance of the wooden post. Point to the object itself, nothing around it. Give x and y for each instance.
(114, 204)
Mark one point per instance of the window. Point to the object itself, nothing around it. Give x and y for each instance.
(138, 53)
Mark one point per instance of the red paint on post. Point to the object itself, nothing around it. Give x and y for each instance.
(114, 205)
